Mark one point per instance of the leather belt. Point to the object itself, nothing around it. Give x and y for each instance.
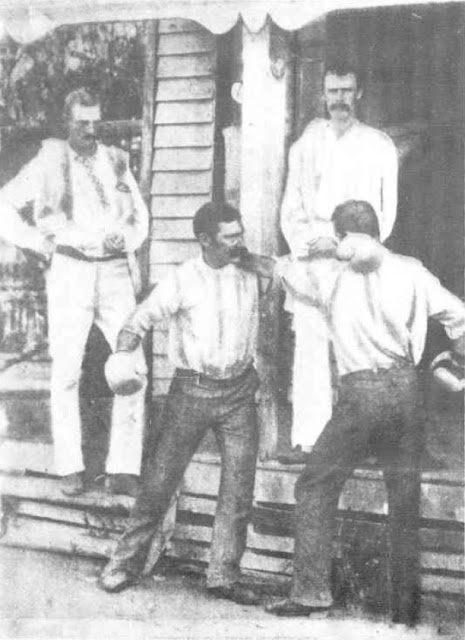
(198, 377)
(396, 366)
(71, 252)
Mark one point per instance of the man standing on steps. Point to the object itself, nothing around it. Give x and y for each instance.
(211, 305)
(335, 159)
(377, 305)
(89, 218)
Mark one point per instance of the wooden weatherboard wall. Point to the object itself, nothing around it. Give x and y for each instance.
(182, 178)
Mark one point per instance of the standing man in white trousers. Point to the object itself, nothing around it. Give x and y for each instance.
(335, 160)
(88, 219)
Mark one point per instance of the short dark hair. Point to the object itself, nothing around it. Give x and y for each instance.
(355, 216)
(82, 96)
(208, 218)
(343, 68)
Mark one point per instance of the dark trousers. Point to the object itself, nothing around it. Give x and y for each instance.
(193, 406)
(376, 412)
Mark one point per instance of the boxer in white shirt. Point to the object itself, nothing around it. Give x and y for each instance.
(335, 160)
(211, 306)
(377, 305)
(89, 218)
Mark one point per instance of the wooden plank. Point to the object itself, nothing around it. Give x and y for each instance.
(181, 182)
(267, 99)
(148, 106)
(184, 112)
(28, 533)
(177, 206)
(178, 25)
(49, 489)
(182, 89)
(196, 504)
(173, 252)
(20, 456)
(443, 584)
(442, 540)
(186, 159)
(189, 135)
(83, 518)
(172, 229)
(186, 43)
(190, 66)
(189, 532)
(188, 550)
(445, 502)
(442, 561)
(146, 152)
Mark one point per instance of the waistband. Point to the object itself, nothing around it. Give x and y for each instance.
(379, 371)
(200, 378)
(71, 252)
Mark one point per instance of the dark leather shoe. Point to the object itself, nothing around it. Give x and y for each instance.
(123, 484)
(296, 456)
(290, 609)
(113, 580)
(72, 484)
(237, 593)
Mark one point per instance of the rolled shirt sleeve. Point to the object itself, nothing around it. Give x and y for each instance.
(444, 306)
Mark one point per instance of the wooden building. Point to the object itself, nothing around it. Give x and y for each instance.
(190, 53)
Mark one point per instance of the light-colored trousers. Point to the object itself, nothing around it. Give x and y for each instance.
(312, 394)
(80, 294)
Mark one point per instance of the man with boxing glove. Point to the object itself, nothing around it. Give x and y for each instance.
(377, 305)
(211, 306)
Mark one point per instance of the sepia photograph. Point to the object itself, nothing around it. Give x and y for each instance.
(232, 319)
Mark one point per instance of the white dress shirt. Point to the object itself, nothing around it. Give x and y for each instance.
(122, 209)
(378, 318)
(326, 170)
(213, 317)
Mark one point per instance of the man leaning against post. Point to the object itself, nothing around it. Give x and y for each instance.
(88, 219)
(211, 305)
(336, 159)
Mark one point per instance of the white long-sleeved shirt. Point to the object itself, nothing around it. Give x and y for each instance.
(122, 211)
(212, 316)
(378, 318)
(326, 170)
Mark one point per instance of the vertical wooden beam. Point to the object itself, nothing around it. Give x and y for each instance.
(148, 126)
(266, 122)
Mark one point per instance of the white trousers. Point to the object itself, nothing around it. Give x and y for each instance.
(312, 393)
(80, 294)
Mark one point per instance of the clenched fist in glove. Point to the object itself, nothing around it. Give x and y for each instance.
(125, 372)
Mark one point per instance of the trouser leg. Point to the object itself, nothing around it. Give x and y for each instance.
(402, 477)
(237, 436)
(184, 423)
(115, 300)
(311, 386)
(70, 295)
(343, 442)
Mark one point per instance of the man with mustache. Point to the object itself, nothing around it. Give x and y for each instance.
(335, 160)
(88, 219)
(211, 307)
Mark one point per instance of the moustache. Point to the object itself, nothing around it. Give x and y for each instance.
(238, 252)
